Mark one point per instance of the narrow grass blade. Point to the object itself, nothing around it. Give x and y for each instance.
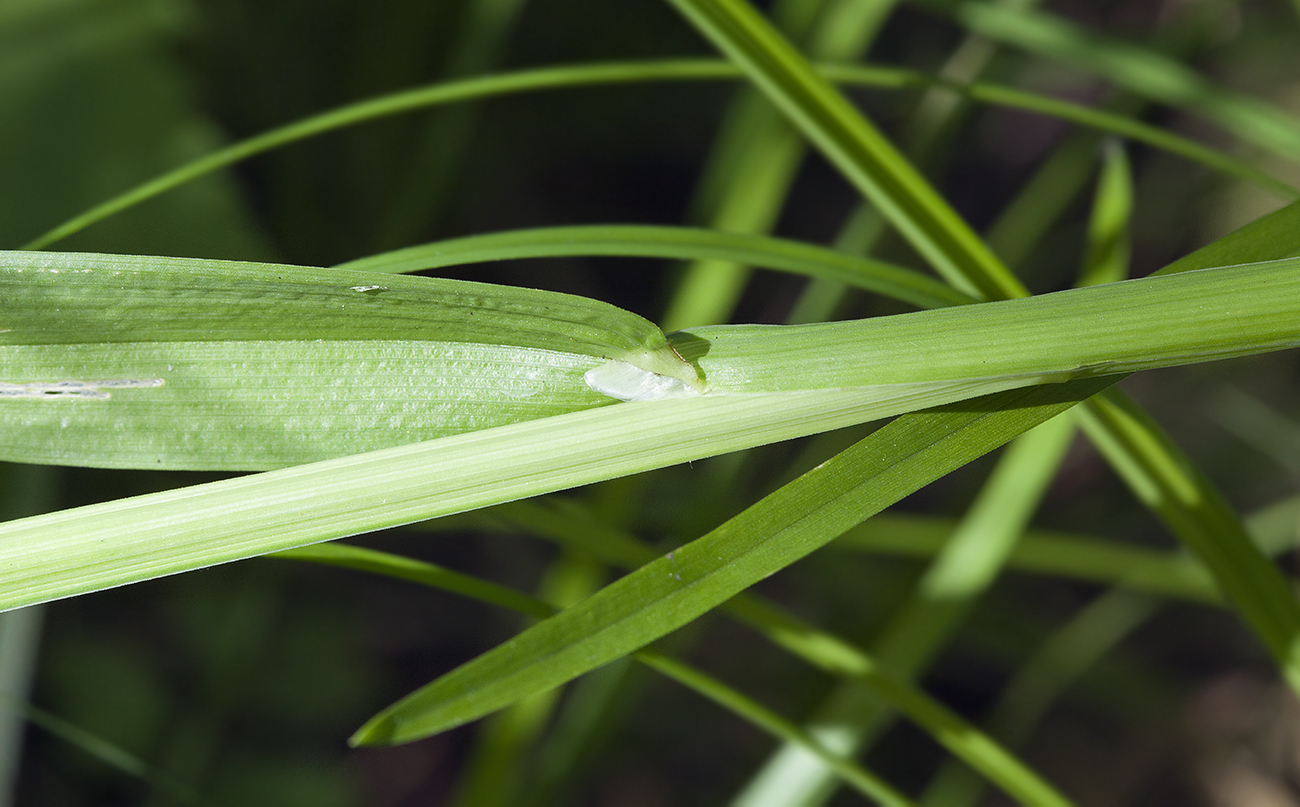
(105, 751)
(125, 541)
(420, 572)
(774, 724)
(672, 242)
(427, 574)
(673, 590)
(1127, 127)
(861, 153)
(374, 108)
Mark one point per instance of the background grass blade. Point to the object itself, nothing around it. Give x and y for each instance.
(756, 156)
(672, 242)
(561, 77)
(860, 152)
(1067, 655)
(1046, 552)
(1138, 69)
(1168, 483)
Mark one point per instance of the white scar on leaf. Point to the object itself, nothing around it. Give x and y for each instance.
(627, 382)
(99, 390)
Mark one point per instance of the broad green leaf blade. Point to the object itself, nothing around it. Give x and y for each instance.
(156, 362)
(254, 405)
(672, 242)
(666, 594)
(853, 145)
(106, 362)
(71, 298)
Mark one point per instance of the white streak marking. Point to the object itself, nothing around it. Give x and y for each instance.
(99, 390)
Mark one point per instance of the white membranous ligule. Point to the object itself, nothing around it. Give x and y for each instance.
(627, 382)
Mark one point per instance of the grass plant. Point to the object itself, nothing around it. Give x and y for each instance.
(351, 339)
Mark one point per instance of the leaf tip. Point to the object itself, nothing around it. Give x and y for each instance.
(379, 730)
